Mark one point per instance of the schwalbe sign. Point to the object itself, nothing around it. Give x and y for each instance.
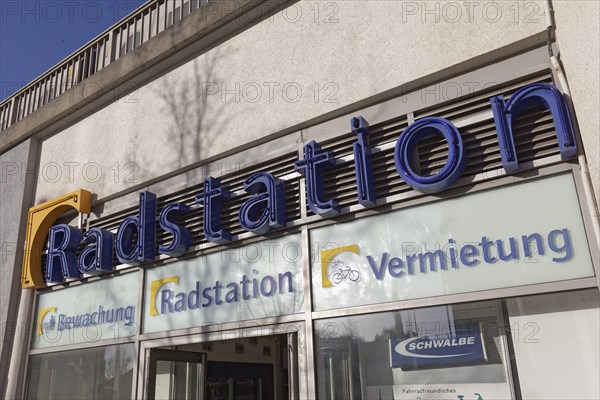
(463, 345)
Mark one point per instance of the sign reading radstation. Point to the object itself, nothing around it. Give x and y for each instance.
(254, 281)
(134, 242)
(497, 238)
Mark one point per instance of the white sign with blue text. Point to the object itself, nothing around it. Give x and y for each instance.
(100, 310)
(515, 235)
(258, 280)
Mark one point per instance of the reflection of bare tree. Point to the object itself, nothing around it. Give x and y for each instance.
(100, 372)
(118, 360)
(278, 304)
(338, 354)
(348, 328)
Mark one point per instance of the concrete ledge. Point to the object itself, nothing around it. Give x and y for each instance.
(212, 24)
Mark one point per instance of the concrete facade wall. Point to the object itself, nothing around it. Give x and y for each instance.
(578, 37)
(300, 64)
(16, 196)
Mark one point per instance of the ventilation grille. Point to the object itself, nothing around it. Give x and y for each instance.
(535, 138)
(193, 221)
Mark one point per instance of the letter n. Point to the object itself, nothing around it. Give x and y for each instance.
(543, 94)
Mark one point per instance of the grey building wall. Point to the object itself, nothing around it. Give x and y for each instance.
(18, 168)
(578, 37)
(297, 66)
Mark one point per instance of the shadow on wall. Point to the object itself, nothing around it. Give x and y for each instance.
(193, 120)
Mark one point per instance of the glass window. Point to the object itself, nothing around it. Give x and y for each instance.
(556, 338)
(446, 352)
(95, 373)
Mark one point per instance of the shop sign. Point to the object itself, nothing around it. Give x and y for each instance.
(510, 236)
(258, 280)
(134, 242)
(100, 310)
(463, 345)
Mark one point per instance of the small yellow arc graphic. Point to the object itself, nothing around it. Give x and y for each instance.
(154, 286)
(327, 256)
(43, 313)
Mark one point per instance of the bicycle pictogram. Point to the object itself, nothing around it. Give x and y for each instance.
(344, 272)
(462, 397)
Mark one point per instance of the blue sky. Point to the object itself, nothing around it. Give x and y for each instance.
(37, 34)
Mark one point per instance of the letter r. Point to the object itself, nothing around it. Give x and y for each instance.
(154, 287)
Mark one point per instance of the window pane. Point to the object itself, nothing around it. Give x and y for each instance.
(557, 344)
(432, 353)
(96, 373)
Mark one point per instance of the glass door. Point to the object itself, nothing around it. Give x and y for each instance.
(176, 375)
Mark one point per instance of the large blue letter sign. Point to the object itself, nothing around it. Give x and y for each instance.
(211, 198)
(144, 225)
(312, 168)
(264, 210)
(505, 115)
(181, 236)
(365, 184)
(407, 144)
(96, 258)
(62, 261)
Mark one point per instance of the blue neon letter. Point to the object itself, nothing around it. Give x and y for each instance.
(264, 210)
(145, 227)
(365, 184)
(211, 198)
(312, 168)
(407, 144)
(181, 236)
(62, 261)
(96, 258)
(543, 94)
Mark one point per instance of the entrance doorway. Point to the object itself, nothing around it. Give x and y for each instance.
(257, 368)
